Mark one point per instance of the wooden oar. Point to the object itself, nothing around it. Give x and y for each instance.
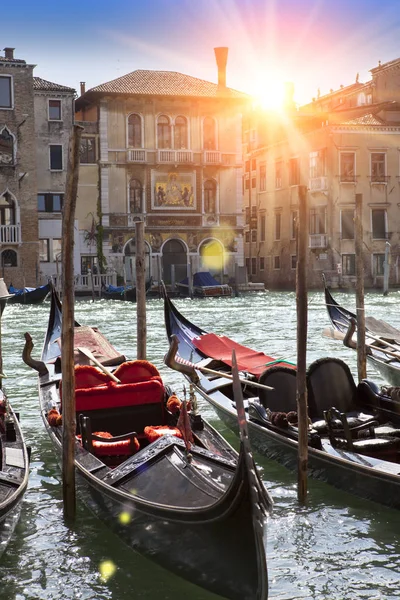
(338, 335)
(227, 376)
(90, 355)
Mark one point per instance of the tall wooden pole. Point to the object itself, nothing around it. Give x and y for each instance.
(67, 330)
(140, 291)
(301, 383)
(360, 313)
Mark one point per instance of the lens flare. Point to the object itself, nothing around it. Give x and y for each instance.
(125, 518)
(107, 569)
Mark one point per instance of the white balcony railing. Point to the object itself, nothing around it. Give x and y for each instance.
(10, 234)
(212, 157)
(318, 184)
(175, 156)
(318, 240)
(137, 155)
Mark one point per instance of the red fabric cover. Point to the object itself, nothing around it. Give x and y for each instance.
(120, 448)
(154, 432)
(115, 395)
(220, 348)
(132, 371)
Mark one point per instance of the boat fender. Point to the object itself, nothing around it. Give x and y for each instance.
(37, 365)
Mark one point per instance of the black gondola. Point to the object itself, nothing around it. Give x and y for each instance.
(29, 295)
(354, 439)
(381, 339)
(127, 293)
(201, 513)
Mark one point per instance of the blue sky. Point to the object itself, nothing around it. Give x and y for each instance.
(313, 43)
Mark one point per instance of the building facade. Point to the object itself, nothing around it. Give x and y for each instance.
(19, 246)
(164, 148)
(340, 145)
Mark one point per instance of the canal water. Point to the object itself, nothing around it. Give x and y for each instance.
(337, 547)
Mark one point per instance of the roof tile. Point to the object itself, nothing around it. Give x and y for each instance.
(49, 86)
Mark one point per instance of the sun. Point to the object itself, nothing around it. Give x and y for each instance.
(270, 94)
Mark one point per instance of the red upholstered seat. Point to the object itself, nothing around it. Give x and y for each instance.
(155, 432)
(133, 371)
(114, 395)
(88, 376)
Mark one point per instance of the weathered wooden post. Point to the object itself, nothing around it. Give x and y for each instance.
(67, 330)
(360, 313)
(91, 282)
(301, 383)
(140, 291)
(172, 278)
(386, 269)
(4, 295)
(190, 278)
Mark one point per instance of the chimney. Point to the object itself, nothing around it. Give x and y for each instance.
(221, 55)
(83, 87)
(9, 53)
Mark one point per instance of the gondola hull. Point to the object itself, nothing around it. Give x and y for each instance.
(128, 294)
(35, 296)
(197, 518)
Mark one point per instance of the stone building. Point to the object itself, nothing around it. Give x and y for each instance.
(342, 144)
(165, 148)
(19, 247)
(54, 117)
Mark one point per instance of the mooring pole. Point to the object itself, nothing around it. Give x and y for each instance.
(67, 329)
(386, 269)
(360, 312)
(140, 291)
(301, 384)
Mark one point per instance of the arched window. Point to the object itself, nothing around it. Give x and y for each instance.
(7, 209)
(9, 258)
(130, 262)
(135, 196)
(210, 197)
(180, 133)
(209, 137)
(134, 131)
(163, 132)
(6, 147)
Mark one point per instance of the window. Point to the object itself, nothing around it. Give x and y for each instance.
(263, 177)
(278, 226)
(50, 202)
(378, 167)
(6, 147)
(347, 167)
(293, 224)
(7, 210)
(318, 163)
(248, 265)
(262, 228)
(44, 251)
(293, 261)
(87, 151)
(317, 220)
(247, 213)
(347, 224)
(135, 197)
(294, 171)
(247, 236)
(254, 235)
(56, 157)
(379, 231)
(254, 164)
(247, 184)
(89, 262)
(378, 261)
(54, 110)
(5, 91)
(180, 133)
(9, 258)
(278, 173)
(209, 137)
(247, 166)
(254, 182)
(262, 263)
(163, 132)
(277, 262)
(56, 253)
(134, 131)
(210, 197)
(348, 264)
(254, 266)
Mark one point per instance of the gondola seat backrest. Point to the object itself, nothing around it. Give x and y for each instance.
(283, 397)
(330, 384)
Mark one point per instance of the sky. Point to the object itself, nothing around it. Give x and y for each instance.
(316, 44)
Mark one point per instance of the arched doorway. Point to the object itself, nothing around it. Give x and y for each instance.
(212, 258)
(130, 261)
(174, 253)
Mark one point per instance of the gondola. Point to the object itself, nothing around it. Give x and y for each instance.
(204, 286)
(381, 339)
(127, 293)
(354, 430)
(28, 295)
(195, 506)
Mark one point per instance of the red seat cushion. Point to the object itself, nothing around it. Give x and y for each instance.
(154, 432)
(120, 448)
(115, 395)
(133, 371)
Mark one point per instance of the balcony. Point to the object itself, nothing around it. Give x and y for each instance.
(318, 240)
(318, 184)
(137, 155)
(174, 157)
(10, 234)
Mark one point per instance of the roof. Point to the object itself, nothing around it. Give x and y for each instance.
(49, 86)
(386, 65)
(164, 83)
(368, 119)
